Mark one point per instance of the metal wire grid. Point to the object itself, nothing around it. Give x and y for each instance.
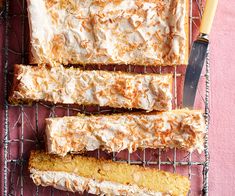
(14, 167)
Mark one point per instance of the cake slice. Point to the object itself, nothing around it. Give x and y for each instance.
(183, 129)
(139, 32)
(75, 86)
(102, 177)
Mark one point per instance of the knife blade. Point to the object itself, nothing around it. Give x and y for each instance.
(198, 55)
(193, 71)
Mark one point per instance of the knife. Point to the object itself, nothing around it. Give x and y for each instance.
(198, 55)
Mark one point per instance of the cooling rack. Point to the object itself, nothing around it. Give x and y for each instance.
(24, 125)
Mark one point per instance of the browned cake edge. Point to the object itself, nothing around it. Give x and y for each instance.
(187, 33)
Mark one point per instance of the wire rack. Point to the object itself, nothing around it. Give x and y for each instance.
(24, 125)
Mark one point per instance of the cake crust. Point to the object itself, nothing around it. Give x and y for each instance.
(77, 173)
(75, 86)
(106, 32)
(182, 129)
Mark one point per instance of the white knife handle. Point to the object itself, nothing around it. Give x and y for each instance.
(208, 16)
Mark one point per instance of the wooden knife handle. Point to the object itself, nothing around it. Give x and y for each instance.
(208, 16)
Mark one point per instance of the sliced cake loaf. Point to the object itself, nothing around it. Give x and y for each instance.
(78, 174)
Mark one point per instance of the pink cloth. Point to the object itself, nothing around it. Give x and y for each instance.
(222, 128)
